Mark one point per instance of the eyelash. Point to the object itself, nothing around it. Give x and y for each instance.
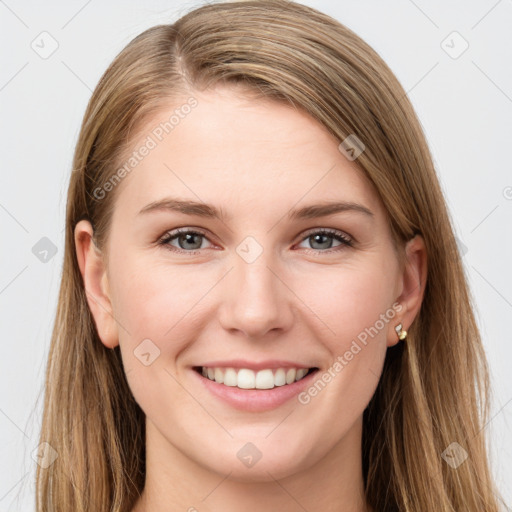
(338, 235)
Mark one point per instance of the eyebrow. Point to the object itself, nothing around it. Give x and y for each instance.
(199, 209)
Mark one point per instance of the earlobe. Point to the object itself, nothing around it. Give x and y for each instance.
(94, 275)
(414, 278)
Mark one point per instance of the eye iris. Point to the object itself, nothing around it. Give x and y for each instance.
(188, 237)
(322, 235)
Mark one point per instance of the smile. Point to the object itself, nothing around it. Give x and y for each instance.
(245, 378)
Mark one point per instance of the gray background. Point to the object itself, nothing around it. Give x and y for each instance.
(464, 103)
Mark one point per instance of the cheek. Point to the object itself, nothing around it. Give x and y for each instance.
(349, 301)
(155, 305)
(155, 301)
(357, 306)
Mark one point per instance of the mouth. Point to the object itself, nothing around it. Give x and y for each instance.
(245, 378)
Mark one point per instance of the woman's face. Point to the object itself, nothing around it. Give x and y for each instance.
(257, 288)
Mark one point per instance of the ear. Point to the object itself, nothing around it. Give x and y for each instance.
(95, 279)
(413, 279)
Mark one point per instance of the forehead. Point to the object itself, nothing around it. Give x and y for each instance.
(242, 154)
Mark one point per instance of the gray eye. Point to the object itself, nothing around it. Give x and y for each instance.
(324, 241)
(189, 240)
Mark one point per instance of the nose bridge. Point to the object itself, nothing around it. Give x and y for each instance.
(255, 301)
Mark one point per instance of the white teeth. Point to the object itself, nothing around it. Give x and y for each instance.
(219, 376)
(280, 377)
(300, 373)
(230, 378)
(245, 378)
(264, 379)
(290, 375)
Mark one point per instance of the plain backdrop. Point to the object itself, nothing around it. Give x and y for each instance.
(453, 59)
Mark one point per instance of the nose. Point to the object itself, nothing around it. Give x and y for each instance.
(255, 299)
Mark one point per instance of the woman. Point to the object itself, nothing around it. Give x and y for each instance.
(315, 347)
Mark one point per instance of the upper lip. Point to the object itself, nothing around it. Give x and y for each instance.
(252, 365)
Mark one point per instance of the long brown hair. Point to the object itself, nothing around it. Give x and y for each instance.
(434, 389)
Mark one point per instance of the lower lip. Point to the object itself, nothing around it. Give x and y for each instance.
(255, 400)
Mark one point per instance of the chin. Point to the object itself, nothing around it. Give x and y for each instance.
(252, 465)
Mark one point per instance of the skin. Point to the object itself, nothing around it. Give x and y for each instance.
(300, 300)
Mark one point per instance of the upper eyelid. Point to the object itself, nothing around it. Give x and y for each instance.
(330, 231)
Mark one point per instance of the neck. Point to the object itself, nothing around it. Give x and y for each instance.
(176, 482)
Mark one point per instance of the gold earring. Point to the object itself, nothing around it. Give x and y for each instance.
(402, 334)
